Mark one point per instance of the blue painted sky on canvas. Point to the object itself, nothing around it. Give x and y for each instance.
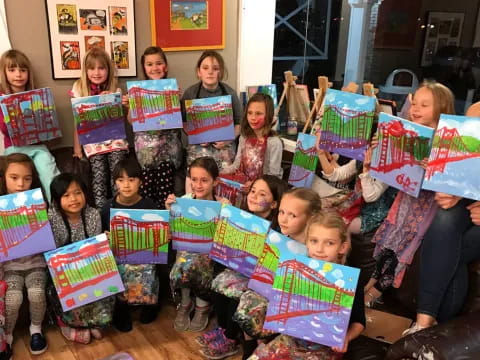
(245, 219)
(27, 198)
(201, 210)
(142, 215)
(162, 84)
(349, 101)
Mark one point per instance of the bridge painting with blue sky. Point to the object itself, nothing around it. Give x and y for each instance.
(304, 161)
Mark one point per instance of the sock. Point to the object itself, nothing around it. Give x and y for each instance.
(201, 303)
(185, 297)
(35, 329)
(249, 347)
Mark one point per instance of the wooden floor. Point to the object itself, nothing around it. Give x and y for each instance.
(154, 341)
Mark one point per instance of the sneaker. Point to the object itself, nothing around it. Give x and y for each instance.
(210, 336)
(148, 313)
(220, 349)
(38, 344)
(414, 328)
(200, 318)
(182, 319)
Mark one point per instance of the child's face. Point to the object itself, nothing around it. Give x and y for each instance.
(256, 115)
(209, 72)
(260, 199)
(155, 67)
(202, 183)
(17, 77)
(325, 243)
(73, 200)
(127, 186)
(18, 177)
(98, 74)
(293, 216)
(422, 110)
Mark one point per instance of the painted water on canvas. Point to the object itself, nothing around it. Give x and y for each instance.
(402, 145)
(454, 163)
(209, 119)
(347, 123)
(84, 272)
(261, 280)
(139, 236)
(312, 300)
(30, 116)
(193, 224)
(239, 239)
(24, 226)
(99, 118)
(304, 161)
(154, 104)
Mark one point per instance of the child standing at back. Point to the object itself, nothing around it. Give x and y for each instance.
(19, 174)
(210, 71)
(16, 75)
(259, 149)
(98, 77)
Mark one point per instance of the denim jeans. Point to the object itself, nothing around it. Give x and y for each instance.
(450, 244)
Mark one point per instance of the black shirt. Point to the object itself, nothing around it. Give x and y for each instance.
(143, 203)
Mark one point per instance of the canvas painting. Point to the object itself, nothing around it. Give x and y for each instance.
(67, 19)
(239, 239)
(30, 116)
(454, 163)
(70, 55)
(24, 226)
(347, 123)
(311, 299)
(264, 89)
(261, 280)
(139, 236)
(154, 104)
(231, 190)
(93, 19)
(120, 55)
(193, 224)
(304, 162)
(95, 40)
(209, 119)
(188, 15)
(118, 20)
(99, 118)
(402, 145)
(84, 272)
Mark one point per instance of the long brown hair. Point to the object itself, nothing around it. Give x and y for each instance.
(245, 128)
(23, 159)
(211, 53)
(153, 50)
(11, 59)
(89, 61)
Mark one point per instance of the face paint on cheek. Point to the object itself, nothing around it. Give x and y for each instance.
(265, 205)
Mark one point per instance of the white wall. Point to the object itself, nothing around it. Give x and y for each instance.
(4, 39)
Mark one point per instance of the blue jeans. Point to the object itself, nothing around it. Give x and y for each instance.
(450, 244)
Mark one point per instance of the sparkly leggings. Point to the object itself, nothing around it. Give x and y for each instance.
(158, 182)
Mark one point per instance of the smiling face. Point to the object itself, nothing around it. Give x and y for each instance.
(325, 243)
(256, 116)
(155, 67)
(17, 77)
(73, 200)
(209, 73)
(260, 199)
(293, 216)
(18, 177)
(422, 110)
(202, 183)
(98, 74)
(128, 187)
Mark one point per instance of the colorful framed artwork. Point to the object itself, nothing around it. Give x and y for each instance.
(77, 26)
(304, 161)
(193, 224)
(179, 25)
(209, 119)
(402, 145)
(30, 116)
(84, 272)
(454, 163)
(99, 118)
(139, 236)
(270, 90)
(311, 299)
(154, 104)
(263, 275)
(347, 123)
(24, 226)
(239, 239)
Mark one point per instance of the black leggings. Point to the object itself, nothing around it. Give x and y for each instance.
(224, 308)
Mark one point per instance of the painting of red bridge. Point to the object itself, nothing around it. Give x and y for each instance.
(402, 145)
(154, 104)
(454, 162)
(139, 236)
(99, 118)
(209, 119)
(232, 191)
(304, 162)
(84, 272)
(193, 223)
(239, 239)
(24, 226)
(312, 300)
(30, 116)
(347, 123)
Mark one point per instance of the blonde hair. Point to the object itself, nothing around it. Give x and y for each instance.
(330, 220)
(11, 59)
(89, 62)
(311, 197)
(443, 99)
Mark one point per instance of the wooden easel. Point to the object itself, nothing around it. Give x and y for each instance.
(295, 104)
(323, 85)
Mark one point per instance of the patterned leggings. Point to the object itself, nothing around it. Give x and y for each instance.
(158, 182)
(35, 282)
(102, 169)
(384, 272)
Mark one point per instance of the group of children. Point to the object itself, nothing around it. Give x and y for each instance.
(148, 180)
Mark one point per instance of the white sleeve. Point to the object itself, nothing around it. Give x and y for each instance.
(343, 172)
(273, 157)
(372, 188)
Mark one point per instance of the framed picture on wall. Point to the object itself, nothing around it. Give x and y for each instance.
(75, 26)
(188, 24)
(442, 29)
